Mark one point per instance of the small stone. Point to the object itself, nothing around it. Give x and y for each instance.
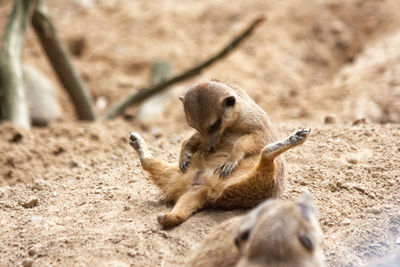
(346, 221)
(393, 229)
(329, 119)
(359, 187)
(156, 132)
(73, 164)
(32, 252)
(132, 253)
(32, 202)
(375, 175)
(58, 151)
(27, 263)
(54, 193)
(40, 185)
(164, 234)
(352, 160)
(322, 145)
(376, 211)
(16, 138)
(359, 121)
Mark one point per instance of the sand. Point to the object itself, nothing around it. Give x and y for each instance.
(74, 193)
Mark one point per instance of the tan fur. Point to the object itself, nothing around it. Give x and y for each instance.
(276, 233)
(231, 167)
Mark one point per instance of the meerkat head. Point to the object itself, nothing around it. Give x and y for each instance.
(281, 233)
(210, 108)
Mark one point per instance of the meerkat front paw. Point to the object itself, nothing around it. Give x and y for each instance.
(184, 162)
(226, 168)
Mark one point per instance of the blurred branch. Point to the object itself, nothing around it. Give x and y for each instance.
(61, 62)
(12, 95)
(142, 94)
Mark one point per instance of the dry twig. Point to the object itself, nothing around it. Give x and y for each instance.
(12, 94)
(142, 94)
(61, 62)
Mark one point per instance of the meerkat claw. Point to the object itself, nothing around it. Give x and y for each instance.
(226, 169)
(184, 163)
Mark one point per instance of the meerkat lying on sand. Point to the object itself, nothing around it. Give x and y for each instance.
(230, 162)
(275, 233)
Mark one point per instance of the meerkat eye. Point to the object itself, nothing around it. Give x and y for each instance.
(215, 126)
(245, 235)
(242, 237)
(229, 101)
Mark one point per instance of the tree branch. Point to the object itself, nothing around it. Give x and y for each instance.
(12, 94)
(61, 62)
(142, 94)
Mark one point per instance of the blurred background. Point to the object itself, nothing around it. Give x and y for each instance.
(310, 60)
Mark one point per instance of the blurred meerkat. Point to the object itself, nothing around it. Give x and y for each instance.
(231, 161)
(275, 233)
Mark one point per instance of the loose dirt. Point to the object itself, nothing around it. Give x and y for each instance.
(74, 193)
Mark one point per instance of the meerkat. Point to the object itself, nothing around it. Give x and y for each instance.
(231, 161)
(275, 233)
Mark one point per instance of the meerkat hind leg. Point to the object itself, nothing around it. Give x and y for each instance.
(273, 150)
(186, 205)
(261, 182)
(161, 173)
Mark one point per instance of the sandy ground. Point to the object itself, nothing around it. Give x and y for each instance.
(74, 193)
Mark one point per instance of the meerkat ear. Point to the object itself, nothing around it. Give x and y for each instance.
(306, 204)
(181, 98)
(229, 101)
(305, 240)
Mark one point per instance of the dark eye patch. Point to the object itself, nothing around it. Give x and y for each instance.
(215, 126)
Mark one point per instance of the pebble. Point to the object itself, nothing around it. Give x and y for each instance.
(156, 132)
(352, 160)
(360, 188)
(41, 184)
(16, 138)
(346, 221)
(376, 211)
(32, 252)
(329, 119)
(359, 121)
(32, 202)
(27, 263)
(132, 253)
